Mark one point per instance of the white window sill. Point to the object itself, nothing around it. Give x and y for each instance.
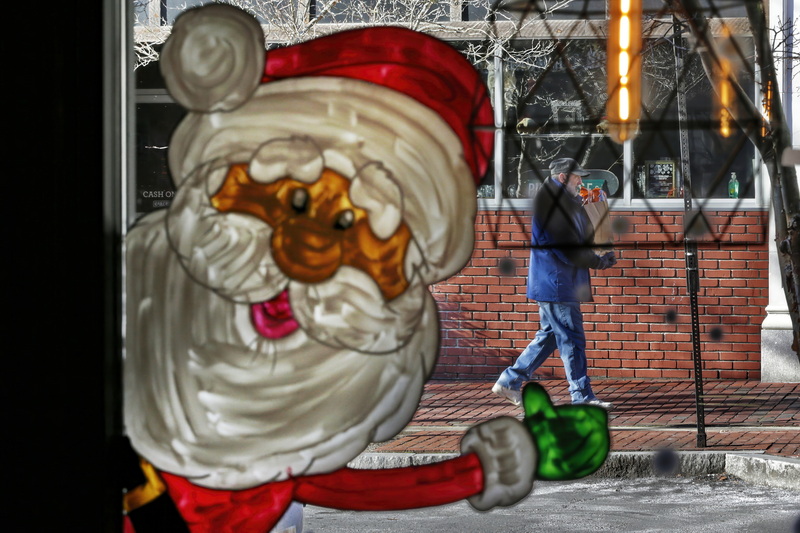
(637, 204)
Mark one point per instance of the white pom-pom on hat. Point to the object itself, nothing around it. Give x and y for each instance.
(296, 157)
(214, 58)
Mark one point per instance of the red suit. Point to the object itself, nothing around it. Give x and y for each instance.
(258, 509)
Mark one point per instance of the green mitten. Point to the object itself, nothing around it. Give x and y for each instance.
(573, 440)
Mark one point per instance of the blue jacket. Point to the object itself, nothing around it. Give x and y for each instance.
(561, 249)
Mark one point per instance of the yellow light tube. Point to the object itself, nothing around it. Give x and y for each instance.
(725, 92)
(724, 123)
(624, 111)
(624, 32)
(623, 69)
(624, 64)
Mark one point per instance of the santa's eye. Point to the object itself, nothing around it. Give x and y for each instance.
(344, 220)
(300, 200)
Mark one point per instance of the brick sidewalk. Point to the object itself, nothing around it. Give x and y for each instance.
(648, 415)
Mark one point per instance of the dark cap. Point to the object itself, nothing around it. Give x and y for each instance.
(568, 166)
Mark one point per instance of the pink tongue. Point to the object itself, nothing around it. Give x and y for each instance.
(274, 319)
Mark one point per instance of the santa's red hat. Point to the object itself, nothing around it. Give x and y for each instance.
(422, 67)
(387, 106)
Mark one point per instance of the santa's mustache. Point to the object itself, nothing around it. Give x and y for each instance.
(349, 311)
(230, 254)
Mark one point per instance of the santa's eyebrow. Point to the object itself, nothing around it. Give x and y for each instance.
(375, 190)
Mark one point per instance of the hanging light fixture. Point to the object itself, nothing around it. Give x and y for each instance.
(766, 106)
(624, 66)
(724, 74)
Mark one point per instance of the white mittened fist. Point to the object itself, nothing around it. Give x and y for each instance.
(508, 457)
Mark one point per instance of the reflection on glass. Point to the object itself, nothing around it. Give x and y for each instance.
(154, 125)
(712, 157)
(555, 104)
(528, 158)
(486, 191)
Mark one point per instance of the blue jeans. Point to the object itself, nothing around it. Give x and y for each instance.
(562, 328)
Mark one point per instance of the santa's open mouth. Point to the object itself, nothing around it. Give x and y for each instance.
(274, 319)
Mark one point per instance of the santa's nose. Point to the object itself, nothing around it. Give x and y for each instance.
(306, 250)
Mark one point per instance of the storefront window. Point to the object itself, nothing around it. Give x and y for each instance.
(713, 158)
(554, 94)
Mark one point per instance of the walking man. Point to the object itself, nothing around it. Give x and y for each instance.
(558, 279)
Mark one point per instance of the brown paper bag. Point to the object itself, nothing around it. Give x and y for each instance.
(601, 221)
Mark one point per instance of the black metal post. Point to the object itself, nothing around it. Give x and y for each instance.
(692, 222)
(693, 286)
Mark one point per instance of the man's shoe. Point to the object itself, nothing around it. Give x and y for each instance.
(513, 396)
(599, 403)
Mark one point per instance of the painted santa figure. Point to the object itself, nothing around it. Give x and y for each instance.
(278, 312)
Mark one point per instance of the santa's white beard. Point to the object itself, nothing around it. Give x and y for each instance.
(208, 398)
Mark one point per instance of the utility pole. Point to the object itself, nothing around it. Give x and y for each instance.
(691, 223)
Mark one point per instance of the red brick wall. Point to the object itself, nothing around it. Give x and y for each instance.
(486, 319)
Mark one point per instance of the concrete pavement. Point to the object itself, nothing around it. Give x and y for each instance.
(710, 504)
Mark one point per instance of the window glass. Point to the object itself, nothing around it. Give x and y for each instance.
(712, 157)
(477, 52)
(474, 10)
(576, 9)
(148, 75)
(172, 8)
(143, 15)
(528, 159)
(553, 101)
(154, 126)
(723, 9)
(384, 12)
(656, 8)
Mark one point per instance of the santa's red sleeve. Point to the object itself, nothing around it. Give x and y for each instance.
(394, 488)
(205, 510)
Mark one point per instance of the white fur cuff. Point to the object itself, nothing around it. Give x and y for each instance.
(508, 458)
